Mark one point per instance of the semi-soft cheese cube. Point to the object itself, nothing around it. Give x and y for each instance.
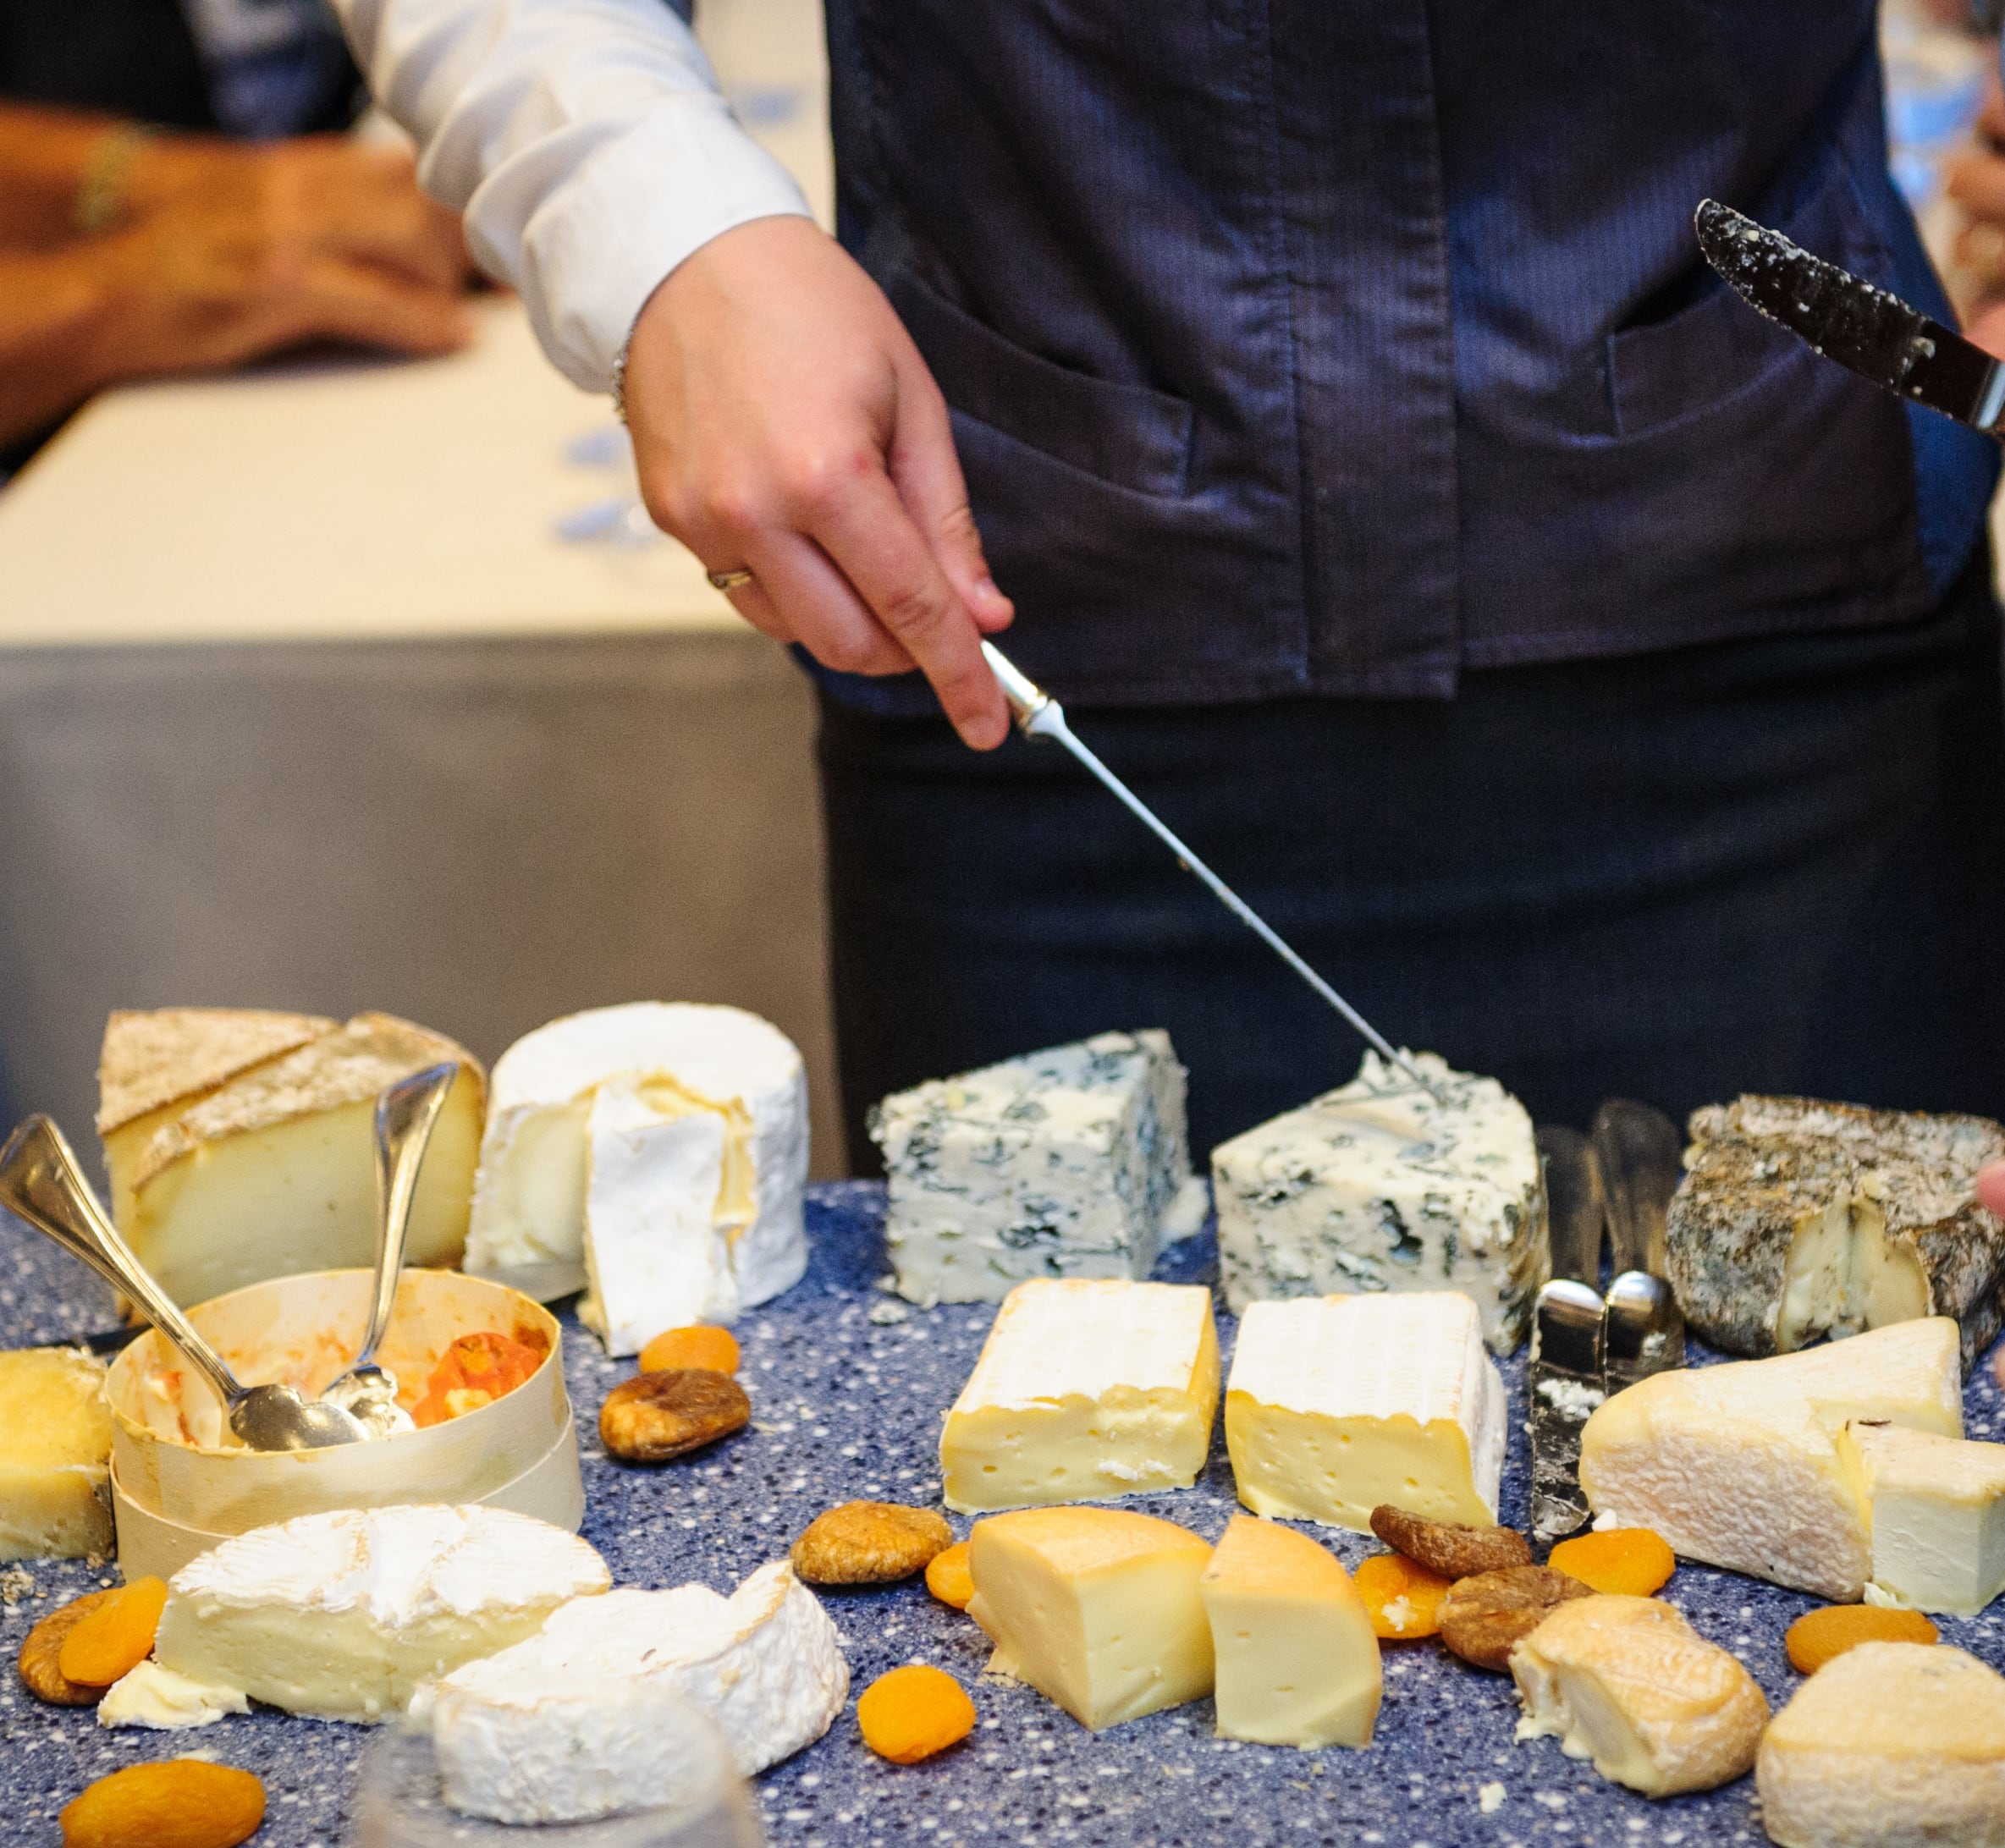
(1071, 1162)
(1339, 1404)
(1385, 1186)
(1297, 1661)
(1098, 1608)
(55, 1455)
(1085, 1390)
(1936, 1510)
(1739, 1464)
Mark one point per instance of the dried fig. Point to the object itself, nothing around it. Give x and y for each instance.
(42, 1654)
(654, 1416)
(1454, 1551)
(1485, 1616)
(869, 1543)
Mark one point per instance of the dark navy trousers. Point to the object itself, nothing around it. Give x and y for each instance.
(1768, 865)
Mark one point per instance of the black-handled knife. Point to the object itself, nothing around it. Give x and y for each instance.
(1862, 327)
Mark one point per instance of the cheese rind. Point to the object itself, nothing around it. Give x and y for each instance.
(1070, 1162)
(1337, 1405)
(1893, 1745)
(1936, 1510)
(567, 1725)
(342, 1615)
(1297, 1659)
(1098, 1608)
(1087, 1389)
(1381, 1185)
(1738, 1466)
(1628, 1684)
(55, 1455)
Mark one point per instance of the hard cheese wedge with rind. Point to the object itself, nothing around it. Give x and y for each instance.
(1739, 1464)
(1098, 1608)
(1936, 1513)
(1085, 1390)
(55, 1455)
(1339, 1405)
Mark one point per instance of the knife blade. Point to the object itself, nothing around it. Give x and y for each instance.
(1641, 1155)
(1862, 327)
(1575, 1211)
(1565, 1376)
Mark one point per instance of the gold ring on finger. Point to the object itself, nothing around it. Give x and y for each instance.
(729, 581)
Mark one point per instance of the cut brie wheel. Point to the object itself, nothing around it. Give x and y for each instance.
(662, 1144)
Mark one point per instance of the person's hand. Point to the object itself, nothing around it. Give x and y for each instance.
(1976, 181)
(1990, 1188)
(784, 424)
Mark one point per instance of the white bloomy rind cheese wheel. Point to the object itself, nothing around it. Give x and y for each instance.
(1628, 1684)
(1893, 1745)
(1936, 1510)
(559, 1728)
(663, 1143)
(1297, 1661)
(1087, 1389)
(1098, 1608)
(1339, 1404)
(1739, 1464)
(342, 1615)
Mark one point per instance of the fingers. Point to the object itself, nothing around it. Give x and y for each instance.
(1991, 1187)
(350, 301)
(811, 602)
(1977, 184)
(928, 476)
(363, 202)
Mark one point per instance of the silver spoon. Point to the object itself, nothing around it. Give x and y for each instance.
(405, 1116)
(40, 1182)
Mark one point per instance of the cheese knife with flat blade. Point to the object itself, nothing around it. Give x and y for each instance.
(1641, 1157)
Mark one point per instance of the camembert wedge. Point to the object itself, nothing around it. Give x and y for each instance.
(1098, 1608)
(1338, 1405)
(1085, 1390)
(1936, 1510)
(1297, 1662)
(55, 1455)
(1739, 1464)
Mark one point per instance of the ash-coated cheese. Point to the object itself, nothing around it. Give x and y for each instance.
(1936, 1509)
(1381, 1185)
(342, 1615)
(1739, 1464)
(1894, 1745)
(1087, 1389)
(1800, 1219)
(562, 1727)
(55, 1455)
(1072, 1161)
(1338, 1405)
(662, 1144)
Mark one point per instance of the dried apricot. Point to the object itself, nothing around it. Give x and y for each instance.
(869, 1543)
(40, 1660)
(1631, 1562)
(1819, 1636)
(1403, 1596)
(1483, 1617)
(713, 1349)
(475, 1371)
(948, 1578)
(914, 1712)
(173, 1803)
(1448, 1547)
(654, 1416)
(116, 1637)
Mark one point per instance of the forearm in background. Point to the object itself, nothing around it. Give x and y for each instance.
(44, 155)
(60, 318)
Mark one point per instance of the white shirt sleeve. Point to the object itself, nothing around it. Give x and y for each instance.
(585, 141)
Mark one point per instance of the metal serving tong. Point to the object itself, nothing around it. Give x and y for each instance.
(41, 1182)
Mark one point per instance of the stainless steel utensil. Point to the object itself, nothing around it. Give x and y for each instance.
(40, 1182)
(1566, 1385)
(1642, 1159)
(405, 1114)
(1575, 1210)
(1643, 1332)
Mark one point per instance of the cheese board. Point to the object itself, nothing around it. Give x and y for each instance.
(848, 1387)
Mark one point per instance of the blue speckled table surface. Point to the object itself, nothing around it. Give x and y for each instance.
(848, 1388)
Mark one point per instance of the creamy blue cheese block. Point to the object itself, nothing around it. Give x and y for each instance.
(1072, 1161)
(1382, 1185)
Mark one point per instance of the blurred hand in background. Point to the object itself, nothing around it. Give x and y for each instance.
(1975, 182)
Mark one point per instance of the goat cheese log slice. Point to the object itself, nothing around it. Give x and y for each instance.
(1800, 1219)
(1739, 1464)
(1383, 1186)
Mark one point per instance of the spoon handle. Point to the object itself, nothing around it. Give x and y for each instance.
(40, 1182)
(405, 1116)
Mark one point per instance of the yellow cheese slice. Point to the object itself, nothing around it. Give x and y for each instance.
(55, 1455)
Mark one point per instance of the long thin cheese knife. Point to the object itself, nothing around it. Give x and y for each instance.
(1040, 716)
(1641, 1157)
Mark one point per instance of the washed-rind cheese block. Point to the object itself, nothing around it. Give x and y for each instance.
(1337, 1405)
(1628, 1684)
(1739, 1464)
(1296, 1658)
(1087, 1389)
(561, 1727)
(1936, 1509)
(1381, 1185)
(1071, 1162)
(1098, 1608)
(343, 1615)
(1894, 1745)
(270, 1169)
(664, 1145)
(55, 1455)
(1800, 1219)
